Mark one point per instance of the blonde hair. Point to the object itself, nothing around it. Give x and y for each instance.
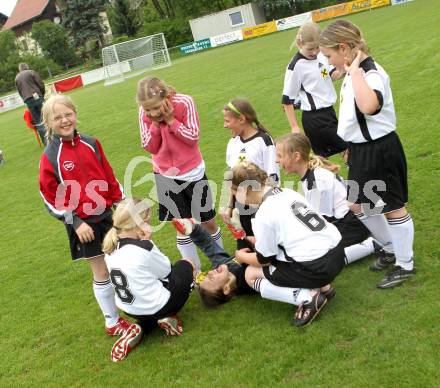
(298, 142)
(343, 31)
(47, 111)
(248, 172)
(307, 33)
(151, 90)
(241, 106)
(127, 216)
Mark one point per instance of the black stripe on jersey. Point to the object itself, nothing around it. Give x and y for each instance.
(286, 100)
(268, 141)
(295, 59)
(368, 64)
(311, 180)
(144, 244)
(275, 190)
(309, 98)
(380, 99)
(362, 121)
(265, 259)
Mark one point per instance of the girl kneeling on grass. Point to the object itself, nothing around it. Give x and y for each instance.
(327, 193)
(78, 187)
(229, 278)
(148, 288)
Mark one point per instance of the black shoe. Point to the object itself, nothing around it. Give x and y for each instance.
(395, 277)
(307, 312)
(330, 293)
(384, 258)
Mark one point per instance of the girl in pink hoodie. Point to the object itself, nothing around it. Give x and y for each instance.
(169, 127)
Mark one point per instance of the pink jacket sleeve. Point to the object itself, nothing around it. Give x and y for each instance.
(151, 137)
(187, 129)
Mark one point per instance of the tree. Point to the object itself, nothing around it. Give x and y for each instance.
(124, 17)
(54, 42)
(7, 45)
(82, 18)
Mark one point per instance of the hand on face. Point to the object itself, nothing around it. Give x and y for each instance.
(167, 111)
(355, 64)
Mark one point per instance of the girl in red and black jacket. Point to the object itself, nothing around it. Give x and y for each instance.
(78, 187)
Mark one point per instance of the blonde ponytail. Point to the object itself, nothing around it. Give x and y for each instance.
(110, 241)
(318, 161)
(130, 213)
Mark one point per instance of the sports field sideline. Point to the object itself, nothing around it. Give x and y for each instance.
(52, 328)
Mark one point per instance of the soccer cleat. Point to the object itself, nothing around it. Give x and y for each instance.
(234, 225)
(238, 234)
(184, 226)
(307, 312)
(172, 325)
(396, 276)
(330, 293)
(118, 328)
(384, 258)
(126, 343)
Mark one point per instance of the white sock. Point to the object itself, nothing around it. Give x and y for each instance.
(217, 237)
(402, 234)
(358, 251)
(188, 250)
(105, 296)
(270, 291)
(378, 226)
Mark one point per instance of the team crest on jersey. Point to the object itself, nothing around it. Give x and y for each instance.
(324, 73)
(68, 165)
(242, 156)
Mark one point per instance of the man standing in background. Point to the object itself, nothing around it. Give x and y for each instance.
(31, 89)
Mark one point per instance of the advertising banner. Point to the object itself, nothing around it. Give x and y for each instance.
(293, 21)
(10, 102)
(198, 45)
(347, 8)
(397, 2)
(260, 29)
(68, 84)
(226, 38)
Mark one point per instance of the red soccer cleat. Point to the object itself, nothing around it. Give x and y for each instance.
(172, 325)
(119, 327)
(184, 226)
(126, 343)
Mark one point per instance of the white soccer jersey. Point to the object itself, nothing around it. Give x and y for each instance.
(326, 192)
(353, 125)
(258, 149)
(310, 80)
(137, 269)
(286, 228)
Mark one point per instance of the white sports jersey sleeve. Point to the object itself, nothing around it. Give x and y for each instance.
(375, 81)
(285, 225)
(292, 83)
(270, 165)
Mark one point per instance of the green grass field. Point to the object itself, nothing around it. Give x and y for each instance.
(52, 328)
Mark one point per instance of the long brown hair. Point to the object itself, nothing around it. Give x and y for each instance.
(298, 142)
(343, 31)
(241, 106)
(152, 90)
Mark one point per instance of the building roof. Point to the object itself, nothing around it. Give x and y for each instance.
(24, 11)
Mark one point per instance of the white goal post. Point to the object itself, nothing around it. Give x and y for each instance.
(128, 59)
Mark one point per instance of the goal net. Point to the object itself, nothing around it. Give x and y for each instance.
(127, 59)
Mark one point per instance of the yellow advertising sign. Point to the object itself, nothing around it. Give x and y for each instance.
(260, 29)
(347, 8)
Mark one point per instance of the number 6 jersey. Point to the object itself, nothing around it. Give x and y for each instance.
(288, 229)
(138, 270)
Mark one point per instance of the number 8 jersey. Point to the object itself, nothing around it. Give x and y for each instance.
(138, 271)
(288, 229)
